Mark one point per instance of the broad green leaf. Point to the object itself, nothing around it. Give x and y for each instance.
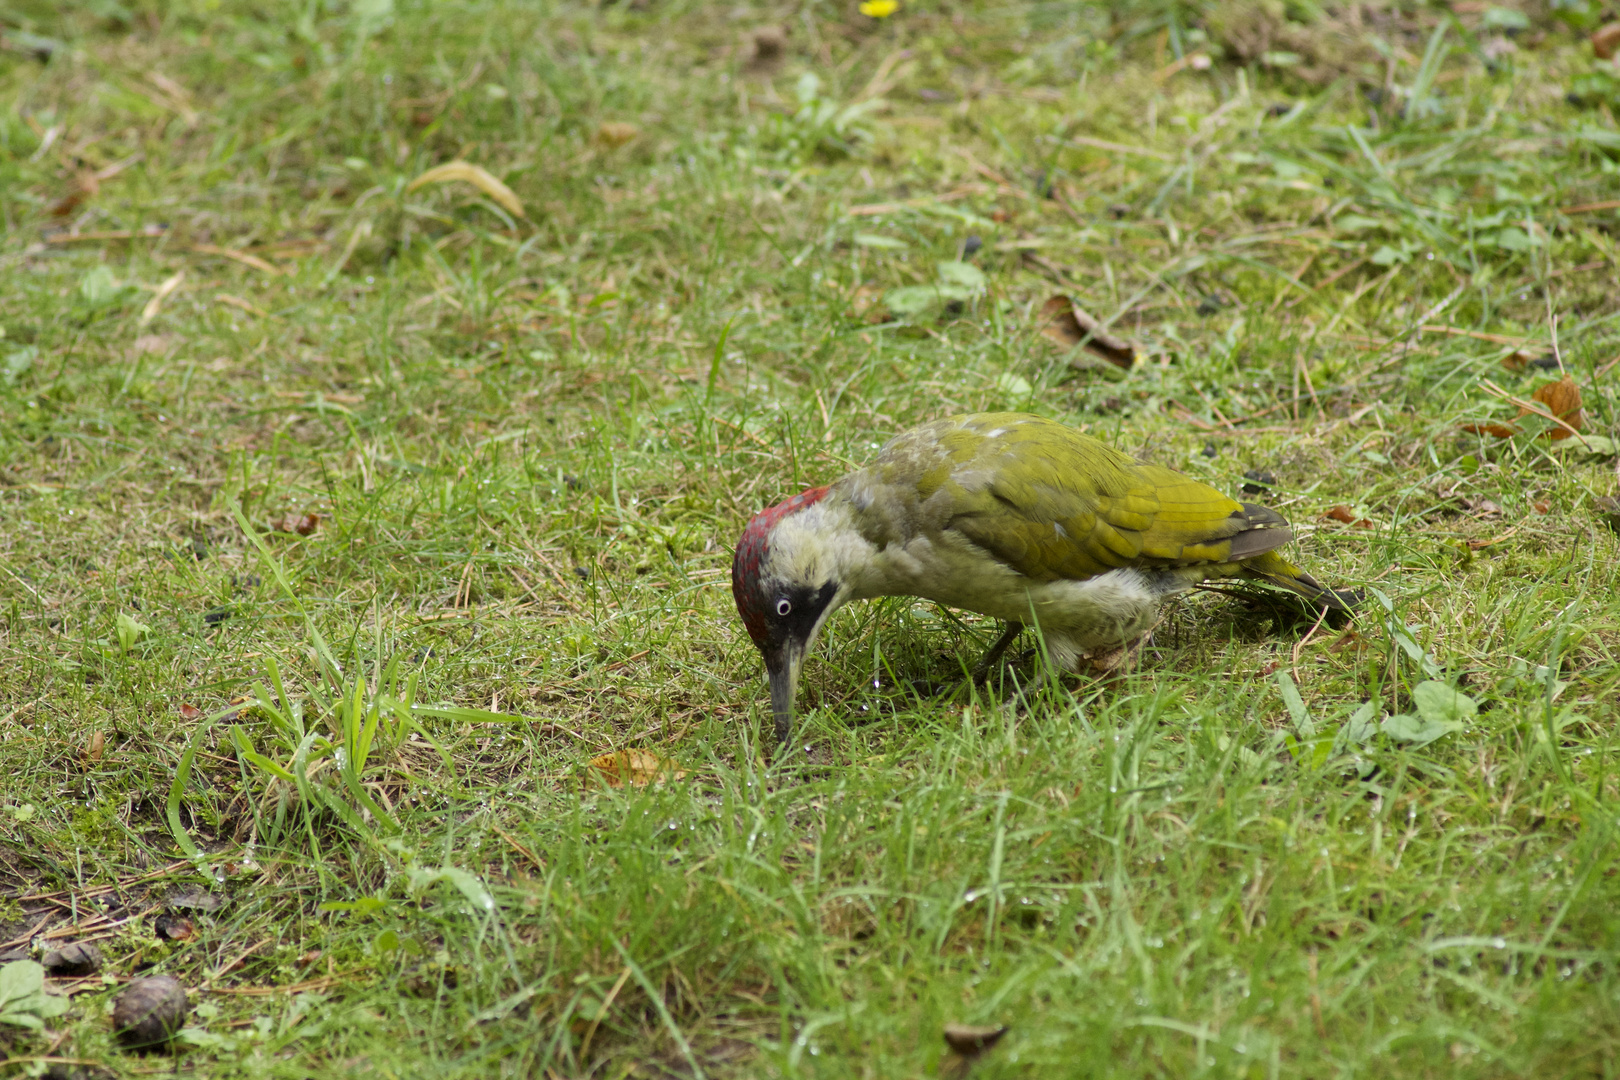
(467, 883)
(875, 240)
(1406, 728)
(961, 273)
(1438, 702)
(1295, 705)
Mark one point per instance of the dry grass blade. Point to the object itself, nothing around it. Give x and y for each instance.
(238, 256)
(244, 305)
(475, 175)
(154, 305)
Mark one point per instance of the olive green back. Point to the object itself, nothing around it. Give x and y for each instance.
(1053, 503)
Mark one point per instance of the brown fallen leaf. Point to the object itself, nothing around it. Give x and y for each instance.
(1346, 515)
(1542, 506)
(84, 186)
(638, 768)
(616, 133)
(1517, 360)
(1065, 322)
(1500, 431)
(1606, 40)
(1481, 545)
(302, 524)
(1563, 400)
(1350, 641)
(190, 712)
(174, 928)
(475, 175)
(96, 747)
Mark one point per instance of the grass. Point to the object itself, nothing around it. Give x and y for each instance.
(530, 441)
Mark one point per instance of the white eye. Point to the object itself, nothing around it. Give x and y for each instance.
(783, 606)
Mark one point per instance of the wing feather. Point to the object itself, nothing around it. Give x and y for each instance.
(1052, 503)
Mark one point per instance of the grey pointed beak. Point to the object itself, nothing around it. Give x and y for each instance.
(784, 674)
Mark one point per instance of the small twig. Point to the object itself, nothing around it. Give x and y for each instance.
(539, 864)
(1299, 646)
(1325, 282)
(234, 964)
(1457, 331)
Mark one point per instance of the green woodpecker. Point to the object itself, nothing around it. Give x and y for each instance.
(1009, 515)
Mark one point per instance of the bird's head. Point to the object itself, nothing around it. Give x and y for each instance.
(787, 580)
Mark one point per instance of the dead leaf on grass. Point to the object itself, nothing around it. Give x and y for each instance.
(1563, 400)
(1501, 431)
(301, 524)
(475, 175)
(1065, 322)
(638, 768)
(1606, 40)
(1347, 516)
(616, 133)
(1349, 641)
(96, 747)
(190, 712)
(84, 186)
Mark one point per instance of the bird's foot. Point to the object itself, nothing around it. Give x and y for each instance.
(981, 670)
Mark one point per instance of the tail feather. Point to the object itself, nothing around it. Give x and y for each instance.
(1279, 571)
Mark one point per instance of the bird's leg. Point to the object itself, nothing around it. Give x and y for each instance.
(981, 670)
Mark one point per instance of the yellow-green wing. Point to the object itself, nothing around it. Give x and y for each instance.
(1053, 503)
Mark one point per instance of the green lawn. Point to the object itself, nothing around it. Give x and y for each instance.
(443, 481)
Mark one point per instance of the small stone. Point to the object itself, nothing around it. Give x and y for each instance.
(1259, 481)
(1608, 509)
(149, 1012)
(971, 1040)
(72, 961)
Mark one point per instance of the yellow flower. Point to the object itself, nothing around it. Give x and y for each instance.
(879, 9)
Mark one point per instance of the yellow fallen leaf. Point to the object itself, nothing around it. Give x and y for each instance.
(154, 305)
(475, 175)
(880, 9)
(616, 133)
(635, 767)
